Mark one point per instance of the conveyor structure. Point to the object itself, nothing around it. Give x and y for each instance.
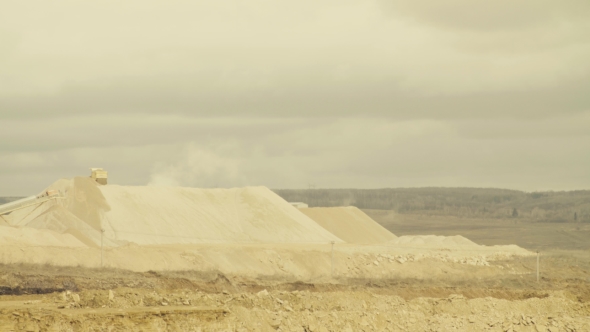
(29, 201)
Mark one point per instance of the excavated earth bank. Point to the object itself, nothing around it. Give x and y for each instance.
(49, 298)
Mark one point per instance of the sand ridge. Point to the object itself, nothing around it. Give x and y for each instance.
(169, 215)
(160, 215)
(237, 230)
(13, 236)
(350, 224)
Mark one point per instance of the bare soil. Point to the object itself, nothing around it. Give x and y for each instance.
(50, 298)
(429, 294)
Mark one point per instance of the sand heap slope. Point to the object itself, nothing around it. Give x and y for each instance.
(350, 224)
(13, 236)
(159, 215)
(76, 214)
(168, 215)
(454, 243)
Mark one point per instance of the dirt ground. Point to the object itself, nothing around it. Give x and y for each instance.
(368, 292)
(50, 298)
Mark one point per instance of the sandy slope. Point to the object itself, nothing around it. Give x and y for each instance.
(350, 224)
(158, 215)
(36, 237)
(168, 215)
(248, 231)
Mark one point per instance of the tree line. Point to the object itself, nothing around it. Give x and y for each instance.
(562, 206)
(4, 200)
(549, 206)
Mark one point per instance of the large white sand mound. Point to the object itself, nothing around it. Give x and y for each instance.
(350, 224)
(170, 215)
(147, 215)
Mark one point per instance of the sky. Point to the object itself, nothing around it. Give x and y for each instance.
(288, 94)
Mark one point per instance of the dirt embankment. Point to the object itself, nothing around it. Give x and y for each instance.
(134, 310)
(349, 224)
(48, 298)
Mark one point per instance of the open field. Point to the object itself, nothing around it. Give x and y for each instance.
(489, 231)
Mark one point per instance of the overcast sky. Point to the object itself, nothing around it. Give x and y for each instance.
(342, 93)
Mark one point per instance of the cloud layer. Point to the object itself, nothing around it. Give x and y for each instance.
(335, 93)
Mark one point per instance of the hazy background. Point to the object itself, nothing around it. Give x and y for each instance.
(362, 94)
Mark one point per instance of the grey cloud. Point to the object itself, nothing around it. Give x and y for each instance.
(355, 152)
(565, 39)
(134, 130)
(555, 127)
(550, 164)
(311, 59)
(319, 98)
(489, 15)
(336, 93)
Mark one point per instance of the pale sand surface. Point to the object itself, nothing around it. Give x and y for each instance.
(34, 237)
(158, 215)
(245, 231)
(168, 215)
(350, 224)
(289, 260)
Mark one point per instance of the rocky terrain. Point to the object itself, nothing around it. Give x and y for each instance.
(49, 298)
(358, 310)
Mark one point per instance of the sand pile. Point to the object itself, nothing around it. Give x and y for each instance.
(150, 215)
(35, 237)
(434, 241)
(169, 215)
(75, 214)
(350, 224)
(236, 231)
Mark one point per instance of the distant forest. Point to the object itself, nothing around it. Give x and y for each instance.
(4, 200)
(559, 206)
(568, 206)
